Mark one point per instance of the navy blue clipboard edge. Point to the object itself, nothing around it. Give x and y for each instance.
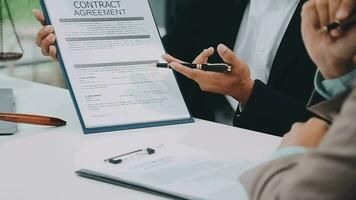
(86, 174)
(109, 128)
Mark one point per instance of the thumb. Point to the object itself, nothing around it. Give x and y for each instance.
(229, 56)
(39, 16)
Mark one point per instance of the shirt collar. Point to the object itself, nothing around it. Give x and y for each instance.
(274, 5)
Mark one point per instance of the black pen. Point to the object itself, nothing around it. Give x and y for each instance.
(218, 67)
(340, 24)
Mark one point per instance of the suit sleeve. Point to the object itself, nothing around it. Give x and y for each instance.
(270, 111)
(180, 42)
(325, 173)
(182, 35)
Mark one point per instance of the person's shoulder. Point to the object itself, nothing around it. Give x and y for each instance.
(206, 5)
(204, 11)
(221, 4)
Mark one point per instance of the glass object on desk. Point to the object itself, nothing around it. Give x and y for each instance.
(4, 54)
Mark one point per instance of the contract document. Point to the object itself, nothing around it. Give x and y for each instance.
(172, 170)
(108, 52)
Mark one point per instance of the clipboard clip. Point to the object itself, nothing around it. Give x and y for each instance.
(120, 158)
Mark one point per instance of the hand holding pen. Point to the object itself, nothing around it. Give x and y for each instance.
(236, 82)
(334, 51)
(335, 15)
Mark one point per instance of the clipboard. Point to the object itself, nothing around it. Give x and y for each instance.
(86, 130)
(89, 175)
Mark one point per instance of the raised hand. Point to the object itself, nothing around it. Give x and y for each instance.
(333, 53)
(237, 83)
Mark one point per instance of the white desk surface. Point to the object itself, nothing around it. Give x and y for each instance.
(38, 162)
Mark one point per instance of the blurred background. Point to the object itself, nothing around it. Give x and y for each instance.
(35, 67)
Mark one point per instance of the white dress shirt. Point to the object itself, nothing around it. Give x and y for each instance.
(261, 32)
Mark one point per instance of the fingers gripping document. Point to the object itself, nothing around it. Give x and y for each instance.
(108, 52)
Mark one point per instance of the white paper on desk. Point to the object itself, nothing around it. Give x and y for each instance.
(109, 50)
(174, 169)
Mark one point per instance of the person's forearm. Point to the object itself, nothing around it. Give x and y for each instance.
(270, 111)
